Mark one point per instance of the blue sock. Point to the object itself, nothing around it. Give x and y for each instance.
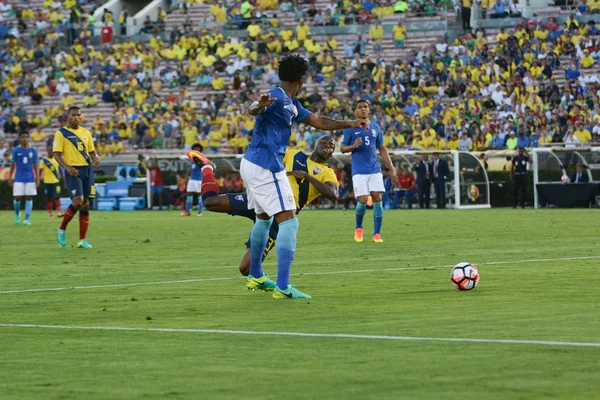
(258, 242)
(200, 205)
(17, 205)
(28, 208)
(286, 247)
(361, 209)
(189, 200)
(377, 216)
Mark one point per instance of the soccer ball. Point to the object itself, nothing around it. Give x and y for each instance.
(565, 179)
(465, 276)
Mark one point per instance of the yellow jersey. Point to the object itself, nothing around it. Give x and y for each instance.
(71, 151)
(51, 170)
(304, 192)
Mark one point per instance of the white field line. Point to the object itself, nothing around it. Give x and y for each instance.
(360, 271)
(311, 335)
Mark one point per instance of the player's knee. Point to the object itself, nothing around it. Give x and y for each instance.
(376, 197)
(363, 199)
(77, 203)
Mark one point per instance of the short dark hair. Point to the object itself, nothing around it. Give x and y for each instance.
(357, 102)
(71, 109)
(292, 68)
(197, 146)
(24, 133)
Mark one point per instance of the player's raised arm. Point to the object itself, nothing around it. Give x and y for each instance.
(259, 106)
(329, 190)
(328, 124)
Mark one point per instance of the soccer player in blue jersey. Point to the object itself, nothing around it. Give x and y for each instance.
(367, 178)
(268, 189)
(194, 186)
(25, 162)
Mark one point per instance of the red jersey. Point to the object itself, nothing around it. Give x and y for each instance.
(106, 34)
(406, 181)
(155, 177)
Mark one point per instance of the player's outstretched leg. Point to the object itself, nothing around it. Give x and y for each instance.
(17, 206)
(28, 208)
(361, 209)
(258, 242)
(286, 247)
(378, 220)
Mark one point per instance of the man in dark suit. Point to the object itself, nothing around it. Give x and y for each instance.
(440, 172)
(581, 176)
(423, 170)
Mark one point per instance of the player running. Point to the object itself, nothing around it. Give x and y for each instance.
(193, 186)
(308, 177)
(52, 177)
(74, 150)
(27, 177)
(366, 172)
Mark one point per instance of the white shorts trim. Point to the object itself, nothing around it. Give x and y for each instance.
(365, 184)
(24, 189)
(268, 192)
(194, 186)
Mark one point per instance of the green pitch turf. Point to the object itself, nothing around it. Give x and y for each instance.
(551, 300)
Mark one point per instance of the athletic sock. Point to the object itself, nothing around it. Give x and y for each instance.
(286, 247)
(49, 206)
(377, 216)
(28, 208)
(258, 242)
(361, 209)
(17, 206)
(189, 200)
(57, 205)
(69, 214)
(200, 205)
(84, 222)
(209, 187)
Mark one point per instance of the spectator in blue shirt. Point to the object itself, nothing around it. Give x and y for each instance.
(572, 72)
(523, 141)
(499, 9)
(410, 107)
(368, 5)
(497, 143)
(535, 140)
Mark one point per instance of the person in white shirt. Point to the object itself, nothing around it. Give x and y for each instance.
(570, 140)
(63, 87)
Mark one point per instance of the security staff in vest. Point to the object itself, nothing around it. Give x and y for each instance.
(518, 175)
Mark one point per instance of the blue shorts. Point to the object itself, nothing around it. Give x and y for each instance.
(52, 190)
(156, 189)
(239, 207)
(80, 185)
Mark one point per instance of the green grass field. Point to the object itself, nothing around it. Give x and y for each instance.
(356, 291)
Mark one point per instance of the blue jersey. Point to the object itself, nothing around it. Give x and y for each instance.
(364, 158)
(272, 131)
(195, 173)
(24, 160)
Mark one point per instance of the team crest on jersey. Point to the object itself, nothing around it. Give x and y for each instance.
(30, 154)
(292, 108)
(317, 170)
(239, 197)
(373, 132)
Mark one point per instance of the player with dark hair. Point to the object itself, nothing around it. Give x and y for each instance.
(24, 163)
(308, 177)
(269, 192)
(74, 150)
(367, 178)
(52, 177)
(193, 186)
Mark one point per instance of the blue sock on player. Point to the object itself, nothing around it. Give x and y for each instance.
(28, 208)
(361, 209)
(258, 242)
(189, 200)
(17, 205)
(286, 247)
(378, 216)
(200, 205)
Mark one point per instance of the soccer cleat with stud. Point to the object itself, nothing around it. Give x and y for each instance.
(184, 214)
(198, 158)
(289, 293)
(83, 244)
(358, 235)
(61, 214)
(377, 238)
(262, 283)
(17, 219)
(27, 222)
(61, 237)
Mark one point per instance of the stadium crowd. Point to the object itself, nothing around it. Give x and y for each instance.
(478, 93)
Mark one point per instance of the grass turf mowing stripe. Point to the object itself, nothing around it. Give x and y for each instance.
(305, 334)
(360, 271)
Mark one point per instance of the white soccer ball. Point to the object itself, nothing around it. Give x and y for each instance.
(565, 179)
(465, 276)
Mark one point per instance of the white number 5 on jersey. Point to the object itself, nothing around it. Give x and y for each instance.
(367, 140)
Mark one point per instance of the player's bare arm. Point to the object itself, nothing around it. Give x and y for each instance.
(61, 161)
(387, 161)
(352, 147)
(259, 106)
(328, 190)
(328, 124)
(10, 174)
(36, 172)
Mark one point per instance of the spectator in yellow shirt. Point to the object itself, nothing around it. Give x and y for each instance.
(376, 34)
(582, 134)
(253, 30)
(90, 100)
(116, 147)
(38, 135)
(399, 33)
(587, 61)
(218, 83)
(302, 31)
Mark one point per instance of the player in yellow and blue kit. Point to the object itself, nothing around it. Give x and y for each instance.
(367, 178)
(52, 176)
(309, 178)
(75, 152)
(24, 164)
